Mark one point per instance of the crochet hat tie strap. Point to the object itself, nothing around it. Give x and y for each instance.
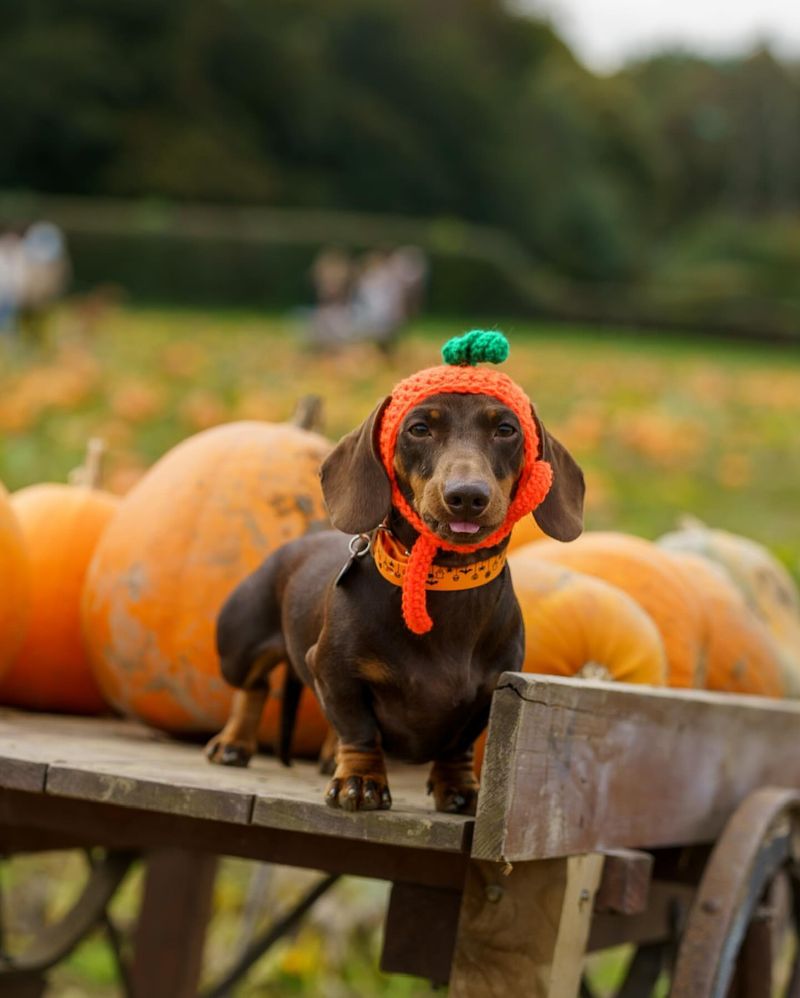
(535, 477)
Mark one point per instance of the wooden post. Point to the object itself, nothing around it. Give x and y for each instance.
(525, 933)
(420, 932)
(172, 924)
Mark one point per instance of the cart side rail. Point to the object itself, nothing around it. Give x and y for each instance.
(576, 766)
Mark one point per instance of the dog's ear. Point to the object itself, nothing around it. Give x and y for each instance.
(561, 513)
(354, 483)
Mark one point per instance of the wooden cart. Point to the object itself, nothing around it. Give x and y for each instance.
(608, 813)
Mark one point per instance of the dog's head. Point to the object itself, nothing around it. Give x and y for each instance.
(457, 459)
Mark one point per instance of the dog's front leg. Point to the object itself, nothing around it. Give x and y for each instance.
(453, 783)
(452, 780)
(359, 782)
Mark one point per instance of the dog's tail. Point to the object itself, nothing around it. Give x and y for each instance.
(290, 701)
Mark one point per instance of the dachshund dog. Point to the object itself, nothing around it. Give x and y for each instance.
(337, 621)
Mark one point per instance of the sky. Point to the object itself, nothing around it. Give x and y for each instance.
(603, 33)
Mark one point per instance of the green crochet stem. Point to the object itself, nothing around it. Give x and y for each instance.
(474, 347)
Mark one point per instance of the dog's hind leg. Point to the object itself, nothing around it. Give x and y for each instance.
(237, 743)
(250, 646)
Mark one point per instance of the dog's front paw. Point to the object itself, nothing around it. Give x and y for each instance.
(225, 751)
(359, 783)
(454, 786)
(358, 793)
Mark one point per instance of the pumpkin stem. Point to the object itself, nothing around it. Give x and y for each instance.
(594, 670)
(308, 413)
(689, 522)
(90, 473)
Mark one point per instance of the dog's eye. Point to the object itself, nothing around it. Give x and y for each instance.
(505, 430)
(419, 430)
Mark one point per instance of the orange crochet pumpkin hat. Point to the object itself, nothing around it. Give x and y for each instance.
(459, 374)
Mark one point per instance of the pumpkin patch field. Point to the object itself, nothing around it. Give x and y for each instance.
(672, 431)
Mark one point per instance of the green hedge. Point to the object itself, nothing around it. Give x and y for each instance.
(175, 269)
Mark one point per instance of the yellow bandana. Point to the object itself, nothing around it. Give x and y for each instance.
(391, 560)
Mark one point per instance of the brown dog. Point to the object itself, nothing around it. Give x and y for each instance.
(422, 698)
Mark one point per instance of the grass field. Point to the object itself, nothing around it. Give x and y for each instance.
(663, 425)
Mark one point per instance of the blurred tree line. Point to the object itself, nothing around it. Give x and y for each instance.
(678, 172)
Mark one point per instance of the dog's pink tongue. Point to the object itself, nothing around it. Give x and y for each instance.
(465, 528)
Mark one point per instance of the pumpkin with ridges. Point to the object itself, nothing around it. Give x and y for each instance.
(768, 588)
(741, 656)
(645, 573)
(197, 523)
(61, 525)
(573, 621)
(576, 625)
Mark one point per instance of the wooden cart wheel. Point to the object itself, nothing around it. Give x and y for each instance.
(727, 946)
(57, 940)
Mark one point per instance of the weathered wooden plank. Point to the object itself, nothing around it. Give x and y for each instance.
(70, 821)
(525, 932)
(405, 825)
(137, 785)
(125, 764)
(575, 766)
(22, 774)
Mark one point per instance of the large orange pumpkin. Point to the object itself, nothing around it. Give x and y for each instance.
(767, 587)
(647, 574)
(61, 525)
(197, 523)
(576, 625)
(14, 583)
(741, 656)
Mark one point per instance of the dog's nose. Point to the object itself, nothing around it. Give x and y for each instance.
(467, 498)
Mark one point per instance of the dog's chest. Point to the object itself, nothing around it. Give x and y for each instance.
(422, 704)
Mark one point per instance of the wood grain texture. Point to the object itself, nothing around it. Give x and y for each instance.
(125, 764)
(525, 933)
(62, 822)
(22, 774)
(577, 766)
(625, 882)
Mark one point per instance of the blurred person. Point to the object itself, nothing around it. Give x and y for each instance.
(45, 272)
(332, 277)
(387, 294)
(411, 267)
(332, 274)
(12, 263)
(368, 302)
